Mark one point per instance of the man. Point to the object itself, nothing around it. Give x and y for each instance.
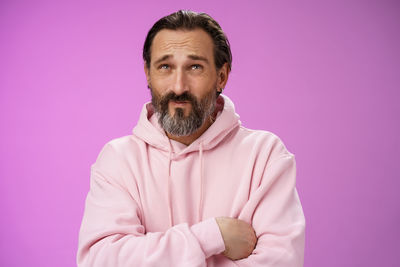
(191, 186)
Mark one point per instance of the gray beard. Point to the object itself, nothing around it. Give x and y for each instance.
(179, 125)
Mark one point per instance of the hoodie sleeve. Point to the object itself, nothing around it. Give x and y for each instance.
(112, 234)
(275, 212)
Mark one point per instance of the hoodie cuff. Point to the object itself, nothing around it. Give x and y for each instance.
(209, 236)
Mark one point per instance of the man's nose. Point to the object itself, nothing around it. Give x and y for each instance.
(180, 82)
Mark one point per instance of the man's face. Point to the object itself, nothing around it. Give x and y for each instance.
(183, 79)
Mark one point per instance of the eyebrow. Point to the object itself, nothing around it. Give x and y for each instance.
(165, 57)
(194, 57)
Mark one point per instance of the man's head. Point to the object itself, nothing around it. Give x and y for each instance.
(187, 63)
(189, 20)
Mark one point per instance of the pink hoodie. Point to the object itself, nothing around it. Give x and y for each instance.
(153, 201)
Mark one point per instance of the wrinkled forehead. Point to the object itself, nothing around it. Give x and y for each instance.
(181, 43)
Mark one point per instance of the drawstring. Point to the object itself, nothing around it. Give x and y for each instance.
(169, 185)
(201, 183)
(200, 215)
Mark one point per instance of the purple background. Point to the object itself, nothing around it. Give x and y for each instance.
(323, 75)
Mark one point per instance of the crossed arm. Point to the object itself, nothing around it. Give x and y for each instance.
(112, 233)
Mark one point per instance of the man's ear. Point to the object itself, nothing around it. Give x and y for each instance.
(223, 74)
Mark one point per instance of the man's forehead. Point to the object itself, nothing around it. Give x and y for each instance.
(193, 43)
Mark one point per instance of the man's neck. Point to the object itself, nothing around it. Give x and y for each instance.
(187, 140)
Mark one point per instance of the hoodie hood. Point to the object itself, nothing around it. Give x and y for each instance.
(152, 203)
(149, 130)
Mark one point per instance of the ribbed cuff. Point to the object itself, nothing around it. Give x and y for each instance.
(209, 236)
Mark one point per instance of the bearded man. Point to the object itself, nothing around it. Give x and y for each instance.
(191, 186)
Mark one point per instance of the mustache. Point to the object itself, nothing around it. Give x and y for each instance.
(171, 96)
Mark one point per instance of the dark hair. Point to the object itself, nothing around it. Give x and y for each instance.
(189, 20)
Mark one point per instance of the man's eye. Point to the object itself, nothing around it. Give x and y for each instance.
(196, 67)
(164, 67)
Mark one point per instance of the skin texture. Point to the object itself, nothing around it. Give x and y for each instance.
(239, 237)
(183, 61)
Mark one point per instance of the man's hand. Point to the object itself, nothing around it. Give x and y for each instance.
(239, 237)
